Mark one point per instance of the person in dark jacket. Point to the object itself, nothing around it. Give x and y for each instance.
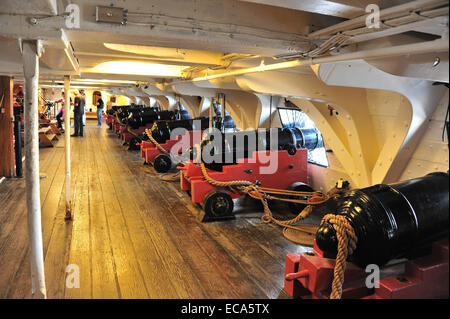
(100, 106)
(78, 111)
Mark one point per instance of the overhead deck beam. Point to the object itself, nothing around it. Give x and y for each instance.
(409, 8)
(33, 7)
(440, 45)
(338, 8)
(211, 25)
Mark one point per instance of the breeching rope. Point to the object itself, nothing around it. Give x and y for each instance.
(170, 177)
(149, 134)
(347, 241)
(262, 193)
(126, 126)
(118, 120)
(345, 233)
(165, 177)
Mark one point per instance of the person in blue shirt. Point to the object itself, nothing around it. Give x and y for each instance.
(100, 106)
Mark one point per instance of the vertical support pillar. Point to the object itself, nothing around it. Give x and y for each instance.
(67, 146)
(211, 114)
(222, 104)
(6, 127)
(221, 99)
(31, 50)
(270, 112)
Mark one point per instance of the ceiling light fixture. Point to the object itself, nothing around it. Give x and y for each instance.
(137, 68)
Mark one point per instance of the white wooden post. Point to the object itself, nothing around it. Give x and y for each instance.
(30, 54)
(67, 146)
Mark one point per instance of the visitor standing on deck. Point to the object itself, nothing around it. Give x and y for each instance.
(100, 105)
(78, 112)
(84, 107)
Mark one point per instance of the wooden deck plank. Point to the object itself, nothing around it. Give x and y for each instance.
(184, 280)
(129, 276)
(104, 279)
(13, 244)
(263, 269)
(134, 236)
(52, 188)
(20, 271)
(57, 232)
(150, 252)
(263, 266)
(216, 267)
(57, 255)
(14, 230)
(174, 206)
(80, 245)
(200, 263)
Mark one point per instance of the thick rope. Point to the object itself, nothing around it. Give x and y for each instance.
(347, 241)
(118, 120)
(345, 233)
(158, 146)
(170, 177)
(219, 183)
(257, 192)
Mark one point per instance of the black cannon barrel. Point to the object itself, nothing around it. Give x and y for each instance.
(138, 118)
(124, 112)
(236, 145)
(124, 109)
(117, 109)
(112, 110)
(292, 138)
(164, 129)
(392, 221)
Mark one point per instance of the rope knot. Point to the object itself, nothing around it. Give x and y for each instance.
(347, 241)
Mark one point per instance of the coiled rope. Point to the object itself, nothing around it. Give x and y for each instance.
(118, 120)
(345, 233)
(150, 136)
(347, 241)
(165, 177)
(257, 192)
(170, 177)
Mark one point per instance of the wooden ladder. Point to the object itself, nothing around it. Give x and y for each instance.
(52, 125)
(47, 136)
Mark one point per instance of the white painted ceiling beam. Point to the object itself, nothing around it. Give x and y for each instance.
(338, 8)
(90, 52)
(399, 11)
(231, 26)
(38, 7)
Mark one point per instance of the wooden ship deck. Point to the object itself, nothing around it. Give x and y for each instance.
(133, 236)
(334, 109)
